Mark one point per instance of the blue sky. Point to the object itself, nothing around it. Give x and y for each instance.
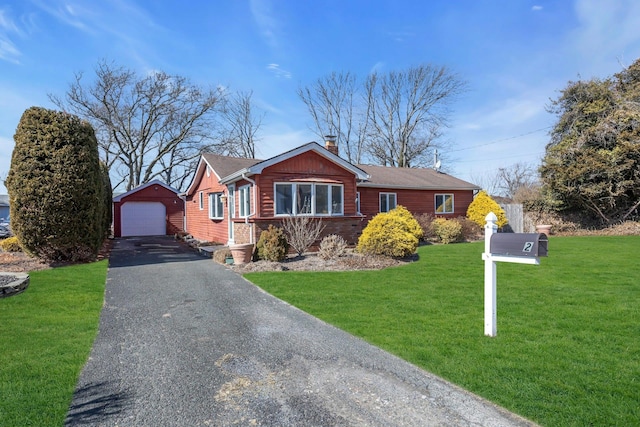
(514, 55)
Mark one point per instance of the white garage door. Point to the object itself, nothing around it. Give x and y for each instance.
(143, 219)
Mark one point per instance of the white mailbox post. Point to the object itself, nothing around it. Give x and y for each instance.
(521, 248)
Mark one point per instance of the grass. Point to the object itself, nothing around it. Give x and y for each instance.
(568, 346)
(46, 334)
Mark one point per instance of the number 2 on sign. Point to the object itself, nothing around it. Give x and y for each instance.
(528, 246)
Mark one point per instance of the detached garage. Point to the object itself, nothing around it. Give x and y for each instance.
(153, 209)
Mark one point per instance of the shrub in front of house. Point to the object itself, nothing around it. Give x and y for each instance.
(10, 244)
(302, 232)
(55, 187)
(388, 234)
(332, 246)
(272, 244)
(447, 230)
(413, 226)
(481, 206)
(470, 230)
(426, 223)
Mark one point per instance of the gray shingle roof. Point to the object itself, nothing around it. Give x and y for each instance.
(225, 166)
(380, 176)
(415, 178)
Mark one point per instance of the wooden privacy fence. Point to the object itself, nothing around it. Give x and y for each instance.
(515, 215)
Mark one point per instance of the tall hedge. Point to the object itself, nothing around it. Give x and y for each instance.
(481, 206)
(107, 199)
(56, 189)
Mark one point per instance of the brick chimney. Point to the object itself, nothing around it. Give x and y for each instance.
(330, 144)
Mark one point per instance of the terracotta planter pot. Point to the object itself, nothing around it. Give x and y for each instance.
(241, 253)
(544, 228)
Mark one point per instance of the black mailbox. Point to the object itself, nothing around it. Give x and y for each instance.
(519, 244)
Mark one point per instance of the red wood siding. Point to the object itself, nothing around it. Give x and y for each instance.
(305, 166)
(154, 193)
(416, 201)
(198, 223)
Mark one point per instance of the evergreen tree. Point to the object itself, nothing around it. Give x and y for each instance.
(592, 163)
(55, 187)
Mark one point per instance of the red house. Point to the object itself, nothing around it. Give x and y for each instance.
(231, 200)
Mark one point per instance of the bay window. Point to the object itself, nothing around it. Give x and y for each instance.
(308, 199)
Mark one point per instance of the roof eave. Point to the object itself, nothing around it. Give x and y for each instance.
(236, 176)
(408, 187)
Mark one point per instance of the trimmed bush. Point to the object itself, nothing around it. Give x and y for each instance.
(272, 245)
(413, 226)
(447, 230)
(332, 246)
(389, 234)
(480, 208)
(10, 244)
(55, 187)
(220, 256)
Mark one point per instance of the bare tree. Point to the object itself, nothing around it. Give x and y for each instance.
(330, 101)
(407, 111)
(241, 124)
(489, 181)
(147, 127)
(512, 178)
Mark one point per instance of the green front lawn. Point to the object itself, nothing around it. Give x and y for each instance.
(47, 333)
(568, 344)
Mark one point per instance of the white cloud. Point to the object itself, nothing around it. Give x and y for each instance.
(606, 31)
(279, 72)
(8, 50)
(377, 67)
(402, 35)
(68, 14)
(263, 15)
(536, 8)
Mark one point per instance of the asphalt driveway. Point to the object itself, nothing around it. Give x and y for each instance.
(184, 341)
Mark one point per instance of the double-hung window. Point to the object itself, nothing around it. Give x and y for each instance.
(387, 201)
(244, 201)
(444, 203)
(216, 207)
(309, 199)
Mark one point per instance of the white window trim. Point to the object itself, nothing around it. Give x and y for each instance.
(245, 189)
(359, 212)
(201, 200)
(435, 203)
(213, 203)
(313, 198)
(395, 195)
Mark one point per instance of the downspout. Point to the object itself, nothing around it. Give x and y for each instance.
(255, 207)
(183, 198)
